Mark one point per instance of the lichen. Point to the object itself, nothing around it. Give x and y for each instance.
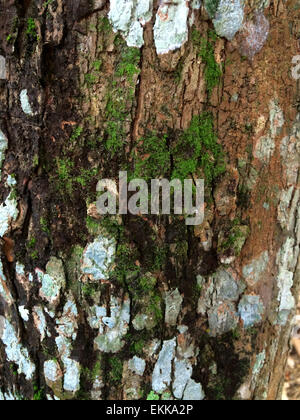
(161, 378)
(25, 104)
(129, 18)
(285, 280)
(251, 309)
(3, 147)
(8, 213)
(98, 258)
(2, 67)
(171, 26)
(113, 328)
(53, 281)
(229, 18)
(173, 300)
(15, 352)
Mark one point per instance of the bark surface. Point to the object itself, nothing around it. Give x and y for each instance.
(145, 307)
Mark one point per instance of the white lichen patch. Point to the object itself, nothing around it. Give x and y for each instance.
(98, 258)
(285, 280)
(53, 281)
(129, 17)
(67, 327)
(25, 104)
(251, 310)
(4, 290)
(253, 272)
(137, 365)
(113, 328)
(162, 374)
(15, 352)
(24, 313)
(183, 371)
(229, 18)
(52, 372)
(171, 26)
(2, 67)
(3, 148)
(8, 213)
(193, 391)
(173, 300)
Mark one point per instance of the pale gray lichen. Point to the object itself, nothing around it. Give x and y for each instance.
(3, 148)
(8, 213)
(115, 327)
(251, 310)
(259, 364)
(129, 16)
(98, 258)
(25, 104)
(4, 290)
(137, 365)
(253, 271)
(183, 371)
(161, 378)
(285, 280)
(67, 327)
(2, 67)
(15, 352)
(53, 281)
(193, 391)
(52, 372)
(229, 18)
(24, 313)
(173, 300)
(171, 26)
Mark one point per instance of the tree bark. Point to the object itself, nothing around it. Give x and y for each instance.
(144, 306)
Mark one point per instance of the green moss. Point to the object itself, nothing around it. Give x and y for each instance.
(211, 7)
(137, 347)
(153, 157)
(115, 370)
(152, 396)
(205, 50)
(129, 63)
(194, 151)
(198, 148)
(44, 225)
(31, 30)
(121, 93)
(76, 133)
(104, 25)
(39, 394)
(236, 239)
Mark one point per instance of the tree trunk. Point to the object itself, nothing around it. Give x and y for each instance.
(145, 306)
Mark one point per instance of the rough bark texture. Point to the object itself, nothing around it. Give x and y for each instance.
(136, 307)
